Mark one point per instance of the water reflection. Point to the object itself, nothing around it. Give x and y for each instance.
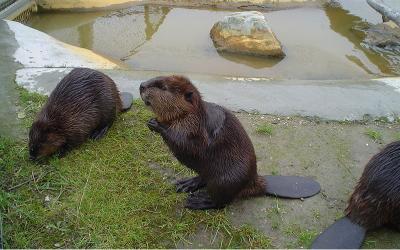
(319, 44)
(153, 18)
(251, 61)
(344, 23)
(116, 34)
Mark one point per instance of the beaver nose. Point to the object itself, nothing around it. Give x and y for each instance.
(146, 84)
(141, 88)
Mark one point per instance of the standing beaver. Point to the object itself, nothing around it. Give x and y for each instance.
(210, 140)
(374, 203)
(84, 104)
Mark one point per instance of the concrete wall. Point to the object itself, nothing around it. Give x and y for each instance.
(110, 4)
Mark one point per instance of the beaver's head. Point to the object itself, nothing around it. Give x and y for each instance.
(170, 97)
(44, 140)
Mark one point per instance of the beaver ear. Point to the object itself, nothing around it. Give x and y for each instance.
(189, 96)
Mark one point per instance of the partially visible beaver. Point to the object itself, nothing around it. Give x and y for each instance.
(206, 138)
(374, 203)
(84, 104)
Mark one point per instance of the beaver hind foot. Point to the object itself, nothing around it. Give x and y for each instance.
(126, 100)
(99, 133)
(340, 235)
(189, 185)
(201, 201)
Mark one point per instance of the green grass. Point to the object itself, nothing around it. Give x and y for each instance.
(374, 135)
(264, 129)
(304, 238)
(104, 194)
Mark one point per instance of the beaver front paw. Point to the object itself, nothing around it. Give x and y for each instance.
(154, 125)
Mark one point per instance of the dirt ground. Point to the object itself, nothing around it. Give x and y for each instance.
(332, 153)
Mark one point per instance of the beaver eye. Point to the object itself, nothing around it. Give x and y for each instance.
(161, 86)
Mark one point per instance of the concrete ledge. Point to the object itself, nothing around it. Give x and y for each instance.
(88, 5)
(83, 4)
(39, 50)
(327, 99)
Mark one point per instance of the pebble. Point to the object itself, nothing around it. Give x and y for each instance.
(21, 115)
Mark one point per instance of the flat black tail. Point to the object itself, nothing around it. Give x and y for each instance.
(343, 234)
(127, 100)
(292, 187)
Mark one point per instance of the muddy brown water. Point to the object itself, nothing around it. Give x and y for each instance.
(320, 43)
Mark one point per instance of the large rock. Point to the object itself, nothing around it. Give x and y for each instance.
(246, 33)
(383, 35)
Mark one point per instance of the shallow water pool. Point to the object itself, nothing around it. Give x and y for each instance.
(320, 43)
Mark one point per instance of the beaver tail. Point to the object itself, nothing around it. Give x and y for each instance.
(255, 187)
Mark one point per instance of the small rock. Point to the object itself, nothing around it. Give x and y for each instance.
(57, 245)
(246, 33)
(21, 115)
(390, 118)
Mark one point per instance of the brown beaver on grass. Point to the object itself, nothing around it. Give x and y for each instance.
(84, 104)
(210, 140)
(374, 203)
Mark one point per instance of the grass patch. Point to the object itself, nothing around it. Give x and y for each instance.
(369, 244)
(264, 129)
(104, 194)
(304, 237)
(374, 134)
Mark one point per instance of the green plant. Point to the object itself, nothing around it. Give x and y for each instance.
(265, 129)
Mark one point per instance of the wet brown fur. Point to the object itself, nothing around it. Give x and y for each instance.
(205, 137)
(375, 201)
(83, 104)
